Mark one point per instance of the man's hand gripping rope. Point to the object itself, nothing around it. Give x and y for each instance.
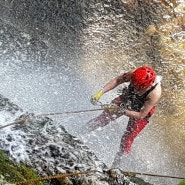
(95, 98)
(109, 108)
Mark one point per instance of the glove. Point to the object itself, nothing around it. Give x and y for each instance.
(96, 97)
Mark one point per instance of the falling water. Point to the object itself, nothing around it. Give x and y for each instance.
(54, 62)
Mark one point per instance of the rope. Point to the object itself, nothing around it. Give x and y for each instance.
(104, 107)
(127, 173)
(72, 112)
(15, 122)
(54, 177)
(51, 114)
(149, 174)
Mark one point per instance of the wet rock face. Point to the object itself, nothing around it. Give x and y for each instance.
(46, 147)
(43, 143)
(52, 149)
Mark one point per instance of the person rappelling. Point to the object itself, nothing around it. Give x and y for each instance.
(137, 101)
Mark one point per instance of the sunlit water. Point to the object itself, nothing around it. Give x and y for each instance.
(67, 84)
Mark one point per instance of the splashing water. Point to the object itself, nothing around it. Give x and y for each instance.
(43, 73)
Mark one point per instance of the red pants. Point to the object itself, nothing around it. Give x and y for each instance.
(134, 127)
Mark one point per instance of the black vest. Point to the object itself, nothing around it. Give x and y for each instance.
(134, 101)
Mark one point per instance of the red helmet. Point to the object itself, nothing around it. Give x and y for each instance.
(143, 77)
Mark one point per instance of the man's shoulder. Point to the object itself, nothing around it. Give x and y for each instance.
(155, 95)
(157, 91)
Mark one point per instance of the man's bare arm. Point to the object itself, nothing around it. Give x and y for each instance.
(117, 81)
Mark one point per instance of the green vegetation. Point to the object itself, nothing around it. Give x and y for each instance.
(13, 173)
(181, 182)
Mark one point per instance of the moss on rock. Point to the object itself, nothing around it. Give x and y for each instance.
(181, 182)
(15, 173)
